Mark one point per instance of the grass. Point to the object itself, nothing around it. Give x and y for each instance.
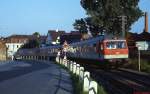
(78, 86)
(101, 90)
(145, 64)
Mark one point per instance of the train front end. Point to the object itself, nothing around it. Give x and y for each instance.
(115, 50)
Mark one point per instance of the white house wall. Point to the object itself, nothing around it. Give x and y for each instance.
(12, 48)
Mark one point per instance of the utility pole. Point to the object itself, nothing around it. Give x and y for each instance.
(123, 25)
(139, 61)
(139, 56)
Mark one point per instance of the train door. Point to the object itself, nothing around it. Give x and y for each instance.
(99, 48)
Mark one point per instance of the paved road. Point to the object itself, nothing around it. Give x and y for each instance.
(30, 77)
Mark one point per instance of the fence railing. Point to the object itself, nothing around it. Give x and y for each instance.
(89, 86)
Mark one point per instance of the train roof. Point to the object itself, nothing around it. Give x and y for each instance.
(95, 39)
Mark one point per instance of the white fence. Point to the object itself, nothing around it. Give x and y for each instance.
(84, 76)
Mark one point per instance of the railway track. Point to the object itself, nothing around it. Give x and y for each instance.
(141, 80)
(119, 81)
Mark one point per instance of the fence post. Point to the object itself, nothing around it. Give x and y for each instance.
(71, 66)
(31, 57)
(93, 87)
(86, 82)
(81, 73)
(64, 60)
(61, 60)
(68, 64)
(74, 67)
(78, 70)
(57, 61)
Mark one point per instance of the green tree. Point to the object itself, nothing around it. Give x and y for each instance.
(37, 34)
(83, 25)
(105, 14)
(80, 25)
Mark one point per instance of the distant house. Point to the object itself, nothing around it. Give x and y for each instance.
(2, 50)
(42, 40)
(14, 42)
(53, 36)
(142, 39)
(71, 37)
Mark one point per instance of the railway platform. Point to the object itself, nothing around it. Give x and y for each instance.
(34, 77)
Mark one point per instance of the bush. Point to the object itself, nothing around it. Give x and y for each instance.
(145, 65)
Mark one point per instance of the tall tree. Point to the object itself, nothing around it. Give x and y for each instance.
(37, 34)
(80, 25)
(84, 25)
(106, 13)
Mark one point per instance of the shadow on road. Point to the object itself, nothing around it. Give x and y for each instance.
(19, 71)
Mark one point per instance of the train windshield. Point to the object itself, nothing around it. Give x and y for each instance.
(115, 44)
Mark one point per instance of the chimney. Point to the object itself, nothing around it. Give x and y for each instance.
(146, 22)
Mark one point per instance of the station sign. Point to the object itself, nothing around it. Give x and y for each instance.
(143, 45)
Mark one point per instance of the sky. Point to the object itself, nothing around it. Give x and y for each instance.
(138, 26)
(29, 16)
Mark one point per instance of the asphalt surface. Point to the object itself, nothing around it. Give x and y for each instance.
(32, 77)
